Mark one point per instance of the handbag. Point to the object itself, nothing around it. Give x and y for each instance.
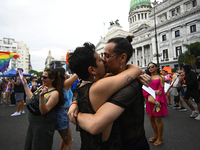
(33, 105)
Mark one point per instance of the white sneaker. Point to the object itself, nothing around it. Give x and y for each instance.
(16, 114)
(198, 117)
(194, 114)
(22, 112)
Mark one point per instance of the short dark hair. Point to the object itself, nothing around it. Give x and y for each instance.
(81, 59)
(122, 45)
(174, 70)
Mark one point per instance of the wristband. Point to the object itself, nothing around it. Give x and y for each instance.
(74, 102)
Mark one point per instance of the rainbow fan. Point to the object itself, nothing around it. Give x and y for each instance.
(5, 59)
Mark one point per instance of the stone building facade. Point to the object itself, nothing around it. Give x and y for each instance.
(177, 22)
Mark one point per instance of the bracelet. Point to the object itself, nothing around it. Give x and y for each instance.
(74, 102)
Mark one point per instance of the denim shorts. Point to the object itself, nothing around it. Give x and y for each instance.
(19, 96)
(62, 120)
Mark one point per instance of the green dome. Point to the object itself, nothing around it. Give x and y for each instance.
(135, 3)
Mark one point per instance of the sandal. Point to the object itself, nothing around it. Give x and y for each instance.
(152, 139)
(157, 143)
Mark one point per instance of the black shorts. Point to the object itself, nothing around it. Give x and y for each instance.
(192, 93)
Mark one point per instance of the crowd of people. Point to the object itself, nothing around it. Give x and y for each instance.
(104, 98)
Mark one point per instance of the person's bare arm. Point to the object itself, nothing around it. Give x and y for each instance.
(53, 99)
(96, 123)
(68, 82)
(73, 113)
(29, 94)
(101, 90)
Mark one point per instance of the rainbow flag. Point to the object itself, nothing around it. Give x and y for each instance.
(5, 59)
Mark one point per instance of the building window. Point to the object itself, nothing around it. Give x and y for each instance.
(173, 13)
(178, 51)
(178, 10)
(130, 20)
(194, 3)
(164, 37)
(192, 28)
(177, 33)
(138, 63)
(165, 54)
(141, 16)
(145, 15)
(138, 16)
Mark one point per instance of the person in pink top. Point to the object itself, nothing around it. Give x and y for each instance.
(167, 80)
(155, 117)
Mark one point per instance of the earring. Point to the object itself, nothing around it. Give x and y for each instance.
(121, 65)
(94, 77)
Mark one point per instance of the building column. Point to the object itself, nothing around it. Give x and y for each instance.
(171, 49)
(136, 56)
(151, 54)
(143, 56)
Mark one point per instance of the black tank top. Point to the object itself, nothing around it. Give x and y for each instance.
(94, 142)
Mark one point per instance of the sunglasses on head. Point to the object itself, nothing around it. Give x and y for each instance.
(44, 77)
(152, 66)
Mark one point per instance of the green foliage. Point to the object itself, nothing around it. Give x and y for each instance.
(190, 56)
(35, 72)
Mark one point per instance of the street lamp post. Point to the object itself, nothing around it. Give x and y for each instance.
(154, 4)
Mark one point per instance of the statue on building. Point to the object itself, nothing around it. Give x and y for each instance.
(111, 23)
(116, 22)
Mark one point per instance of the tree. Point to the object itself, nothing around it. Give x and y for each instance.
(190, 56)
(35, 72)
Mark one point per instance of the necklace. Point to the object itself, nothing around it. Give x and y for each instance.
(86, 81)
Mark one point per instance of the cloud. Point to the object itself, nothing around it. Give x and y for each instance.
(59, 25)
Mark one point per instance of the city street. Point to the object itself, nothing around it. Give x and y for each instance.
(180, 131)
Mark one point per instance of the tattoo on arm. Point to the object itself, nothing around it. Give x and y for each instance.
(128, 79)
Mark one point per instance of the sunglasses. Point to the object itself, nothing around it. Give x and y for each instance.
(152, 66)
(107, 55)
(44, 77)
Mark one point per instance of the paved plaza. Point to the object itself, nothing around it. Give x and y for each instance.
(180, 131)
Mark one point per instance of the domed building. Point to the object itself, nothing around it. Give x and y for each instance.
(139, 14)
(177, 23)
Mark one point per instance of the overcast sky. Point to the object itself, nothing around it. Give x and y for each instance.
(59, 25)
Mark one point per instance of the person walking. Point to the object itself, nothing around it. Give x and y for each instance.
(8, 89)
(155, 117)
(177, 89)
(19, 94)
(12, 96)
(191, 83)
(167, 81)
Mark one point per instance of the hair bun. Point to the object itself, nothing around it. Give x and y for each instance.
(89, 45)
(130, 38)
